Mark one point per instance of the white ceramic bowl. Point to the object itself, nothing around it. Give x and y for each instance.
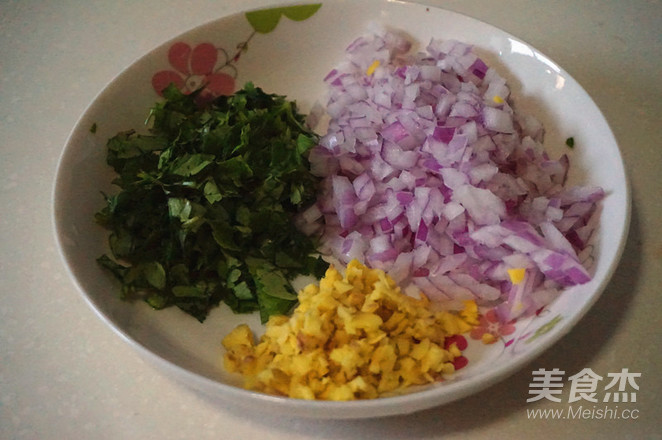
(290, 51)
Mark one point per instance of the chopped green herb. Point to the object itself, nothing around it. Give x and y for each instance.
(206, 205)
(570, 142)
(93, 128)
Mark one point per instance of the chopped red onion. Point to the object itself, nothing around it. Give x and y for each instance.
(431, 174)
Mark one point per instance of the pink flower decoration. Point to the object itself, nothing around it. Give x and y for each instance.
(193, 69)
(461, 343)
(460, 362)
(489, 324)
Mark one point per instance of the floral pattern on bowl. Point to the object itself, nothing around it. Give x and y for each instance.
(490, 328)
(212, 69)
(202, 66)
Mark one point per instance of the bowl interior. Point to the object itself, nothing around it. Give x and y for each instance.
(291, 59)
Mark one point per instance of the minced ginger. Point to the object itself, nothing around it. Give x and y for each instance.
(351, 337)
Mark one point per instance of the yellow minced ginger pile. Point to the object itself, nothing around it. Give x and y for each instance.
(351, 337)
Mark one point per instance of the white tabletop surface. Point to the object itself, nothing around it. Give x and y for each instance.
(65, 375)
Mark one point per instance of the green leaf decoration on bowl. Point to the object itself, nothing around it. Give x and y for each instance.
(266, 20)
(546, 328)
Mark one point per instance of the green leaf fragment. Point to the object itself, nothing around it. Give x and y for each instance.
(304, 143)
(223, 236)
(190, 165)
(188, 291)
(243, 215)
(116, 269)
(121, 243)
(155, 274)
(156, 301)
(179, 208)
(242, 291)
(212, 193)
(296, 195)
(270, 305)
(127, 144)
(234, 276)
(274, 283)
